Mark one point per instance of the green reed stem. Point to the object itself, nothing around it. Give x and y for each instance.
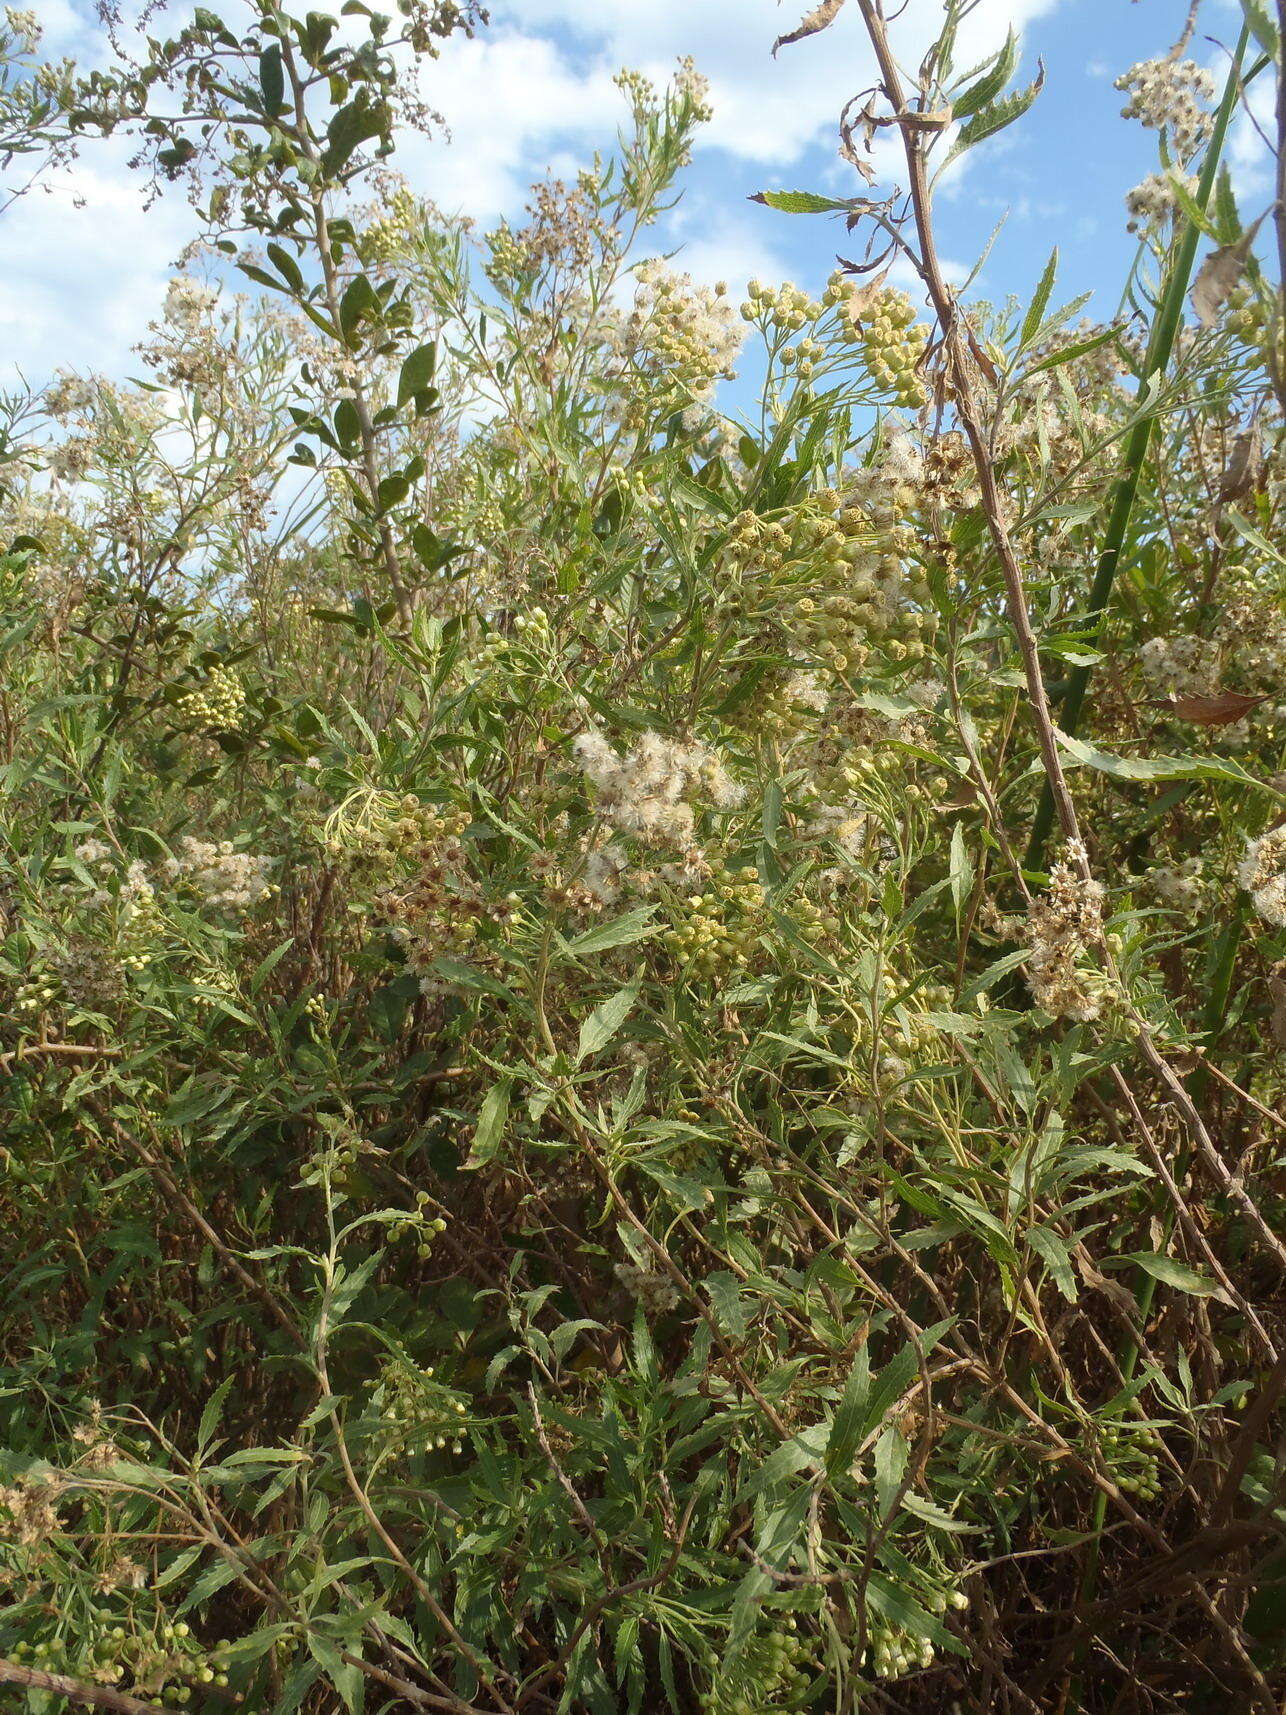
(1160, 345)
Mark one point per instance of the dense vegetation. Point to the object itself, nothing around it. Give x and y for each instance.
(642, 1054)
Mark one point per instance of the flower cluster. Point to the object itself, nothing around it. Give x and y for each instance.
(28, 1511)
(882, 321)
(652, 1289)
(218, 704)
(1181, 666)
(647, 791)
(1062, 928)
(1153, 202)
(1262, 873)
(895, 1651)
(1180, 885)
(188, 303)
(687, 330)
(772, 1672)
(24, 25)
(69, 395)
(784, 306)
(1168, 95)
(222, 877)
(693, 86)
(416, 1407)
(718, 927)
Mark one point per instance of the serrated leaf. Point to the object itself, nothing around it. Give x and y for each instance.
(605, 1020)
(1040, 302)
(897, 1375)
(1054, 1254)
(1161, 767)
(725, 1295)
(818, 19)
(850, 1414)
(799, 202)
(1171, 1272)
(264, 969)
(621, 932)
(990, 84)
(997, 116)
(213, 1411)
(491, 1123)
(1263, 27)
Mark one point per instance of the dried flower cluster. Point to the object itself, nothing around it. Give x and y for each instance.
(649, 791)
(1173, 96)
(1064, 932)
(1262, 873)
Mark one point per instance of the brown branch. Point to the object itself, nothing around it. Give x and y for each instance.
(34, 1051)
(77, 1691)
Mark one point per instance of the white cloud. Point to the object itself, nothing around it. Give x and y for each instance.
(765, 110)
(534, 89)
(721, 246)
(86, 262)
(511, 102)
(1250, 156)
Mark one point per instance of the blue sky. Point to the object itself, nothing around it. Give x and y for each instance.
(86, 260)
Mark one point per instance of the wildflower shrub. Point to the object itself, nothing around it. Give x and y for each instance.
(572, 1141)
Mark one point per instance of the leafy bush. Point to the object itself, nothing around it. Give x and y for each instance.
(643, 1052)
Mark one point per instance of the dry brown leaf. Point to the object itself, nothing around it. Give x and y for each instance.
(861, 299)
(1217, 277)
(814, 21)
(1243, 472)
(1277, 995)
(1219, 710)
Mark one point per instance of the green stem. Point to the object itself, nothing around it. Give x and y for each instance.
(1160, 345)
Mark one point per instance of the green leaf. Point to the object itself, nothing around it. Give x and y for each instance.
(1170, 1271)
(633, 926)
(961, 868)
(606, 1019)
(286, 266)
(725, 1295)
(992, 975)
(799, 1452)
(897, 1375)
(1162, 767)
(491, 1124)
(891, 1454)
(1262, 27)
(272, 83)
(212, 1413)
(1053, 1252)
(850, 1414)
(360, 300)
(347, 425)
(996, 117)
(466, 976)
(990, 84)
(800, 202)
(352, 126)
(1040, 303)
(417, 372)
(264, 969)
(1069, 353)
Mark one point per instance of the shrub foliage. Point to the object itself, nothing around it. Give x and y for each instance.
(642, 1048)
